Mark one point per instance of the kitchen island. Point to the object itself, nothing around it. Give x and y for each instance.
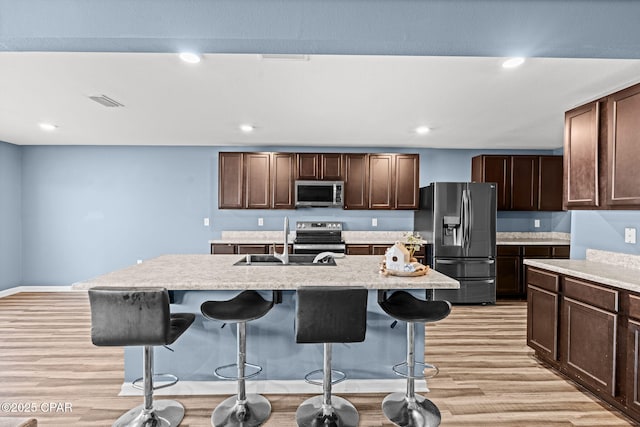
(270, 340)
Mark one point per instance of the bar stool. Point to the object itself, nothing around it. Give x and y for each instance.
(410, 409)
(141, 317)
(329, 315)
(243, 410)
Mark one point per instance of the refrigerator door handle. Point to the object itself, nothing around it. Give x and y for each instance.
(466, 261)
(465, 219)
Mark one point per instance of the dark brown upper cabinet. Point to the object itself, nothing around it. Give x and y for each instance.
(494, 169)
(393, 181)
(623, 174)
(581, 145)
(356, 181)
(257, 172)
(525, 183)
(255, 180)
(230, 181)
(282, 176)
(326, 166)
(549, 187)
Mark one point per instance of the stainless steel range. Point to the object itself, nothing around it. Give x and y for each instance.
(314, 237)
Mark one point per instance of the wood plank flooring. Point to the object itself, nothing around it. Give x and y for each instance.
(488, 376)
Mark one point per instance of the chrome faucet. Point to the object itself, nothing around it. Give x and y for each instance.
(284, 256)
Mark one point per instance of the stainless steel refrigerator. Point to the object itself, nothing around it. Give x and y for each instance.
(458, 220)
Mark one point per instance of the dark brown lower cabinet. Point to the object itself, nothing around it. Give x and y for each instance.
(252, 249)
(358, 250)
(590, 340)
(589, 332)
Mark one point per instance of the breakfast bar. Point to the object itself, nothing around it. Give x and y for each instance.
(208, 344)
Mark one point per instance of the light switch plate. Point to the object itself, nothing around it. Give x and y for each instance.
(374, 222)
(260, 222)
(630, 235)
(536, 223)
(206, 222)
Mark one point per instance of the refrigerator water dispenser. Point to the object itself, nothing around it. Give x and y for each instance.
(451, 237)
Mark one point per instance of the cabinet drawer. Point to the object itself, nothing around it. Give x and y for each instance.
(512, 250)
(358, 250)
(379, 249)
(634, 307)
(223, 248)
(536, 251)
(252, 249)
(597, 296)
(560, 251)
(543, 279)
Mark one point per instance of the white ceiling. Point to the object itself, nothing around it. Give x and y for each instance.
(327, 100)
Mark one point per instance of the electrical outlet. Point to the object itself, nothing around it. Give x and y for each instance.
(536, 223)
(630, 235)
(374, 222)
(139, 261)
(260, 222)
(206, 222)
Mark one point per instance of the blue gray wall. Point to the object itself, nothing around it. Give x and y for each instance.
(10, 210)
(602, 230)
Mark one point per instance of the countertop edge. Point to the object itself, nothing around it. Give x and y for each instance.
(609, 274)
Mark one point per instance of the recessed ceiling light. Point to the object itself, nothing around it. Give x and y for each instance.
(190, 57)
(246, 128)
(422, 130)
(47, 126)
(513, 62)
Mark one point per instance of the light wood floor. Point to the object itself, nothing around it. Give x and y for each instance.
(488, 376)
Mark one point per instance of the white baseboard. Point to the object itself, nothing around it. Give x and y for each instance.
(187, 388)
(18, 289)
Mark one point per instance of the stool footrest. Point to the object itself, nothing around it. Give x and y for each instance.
(401, 369)
(337, 377)
(218, 370)
(172, 380)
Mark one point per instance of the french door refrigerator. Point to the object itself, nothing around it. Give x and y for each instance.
(458, 220)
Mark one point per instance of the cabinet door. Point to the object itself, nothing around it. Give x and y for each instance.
(356, 181)
(542, 322)
(307, 166)
(379, 249)
(282, 174)
(230, 172)
(257, 180)
(633, 365)
(358, 250)
(623, 173)
(581, 139)
(495, 169)
(331, 167)
(407, 182)
(550, 183)
(590, 344)
(524, 183)
(381, 181)
(508, 276)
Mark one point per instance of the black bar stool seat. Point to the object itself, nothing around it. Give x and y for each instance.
(241, 410)
(409, 409)
(329, 315)
(140, 317)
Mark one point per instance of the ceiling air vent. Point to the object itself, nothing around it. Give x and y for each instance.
(106, 101)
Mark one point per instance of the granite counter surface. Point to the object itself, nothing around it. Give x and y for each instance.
(214, 272)
(600, 272)
(533, 238)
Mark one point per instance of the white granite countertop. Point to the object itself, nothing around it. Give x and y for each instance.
(533, 238)
(212, 272)
(609, 268)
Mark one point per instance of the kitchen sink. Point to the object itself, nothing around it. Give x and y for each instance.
(294, 259)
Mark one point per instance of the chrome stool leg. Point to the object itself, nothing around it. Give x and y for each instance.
(161, 413)
(410, 409)
(241, 410)
(327, 410)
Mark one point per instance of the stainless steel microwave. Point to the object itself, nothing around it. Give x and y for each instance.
(326, 194)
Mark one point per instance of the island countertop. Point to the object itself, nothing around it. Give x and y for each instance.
(217, 272)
